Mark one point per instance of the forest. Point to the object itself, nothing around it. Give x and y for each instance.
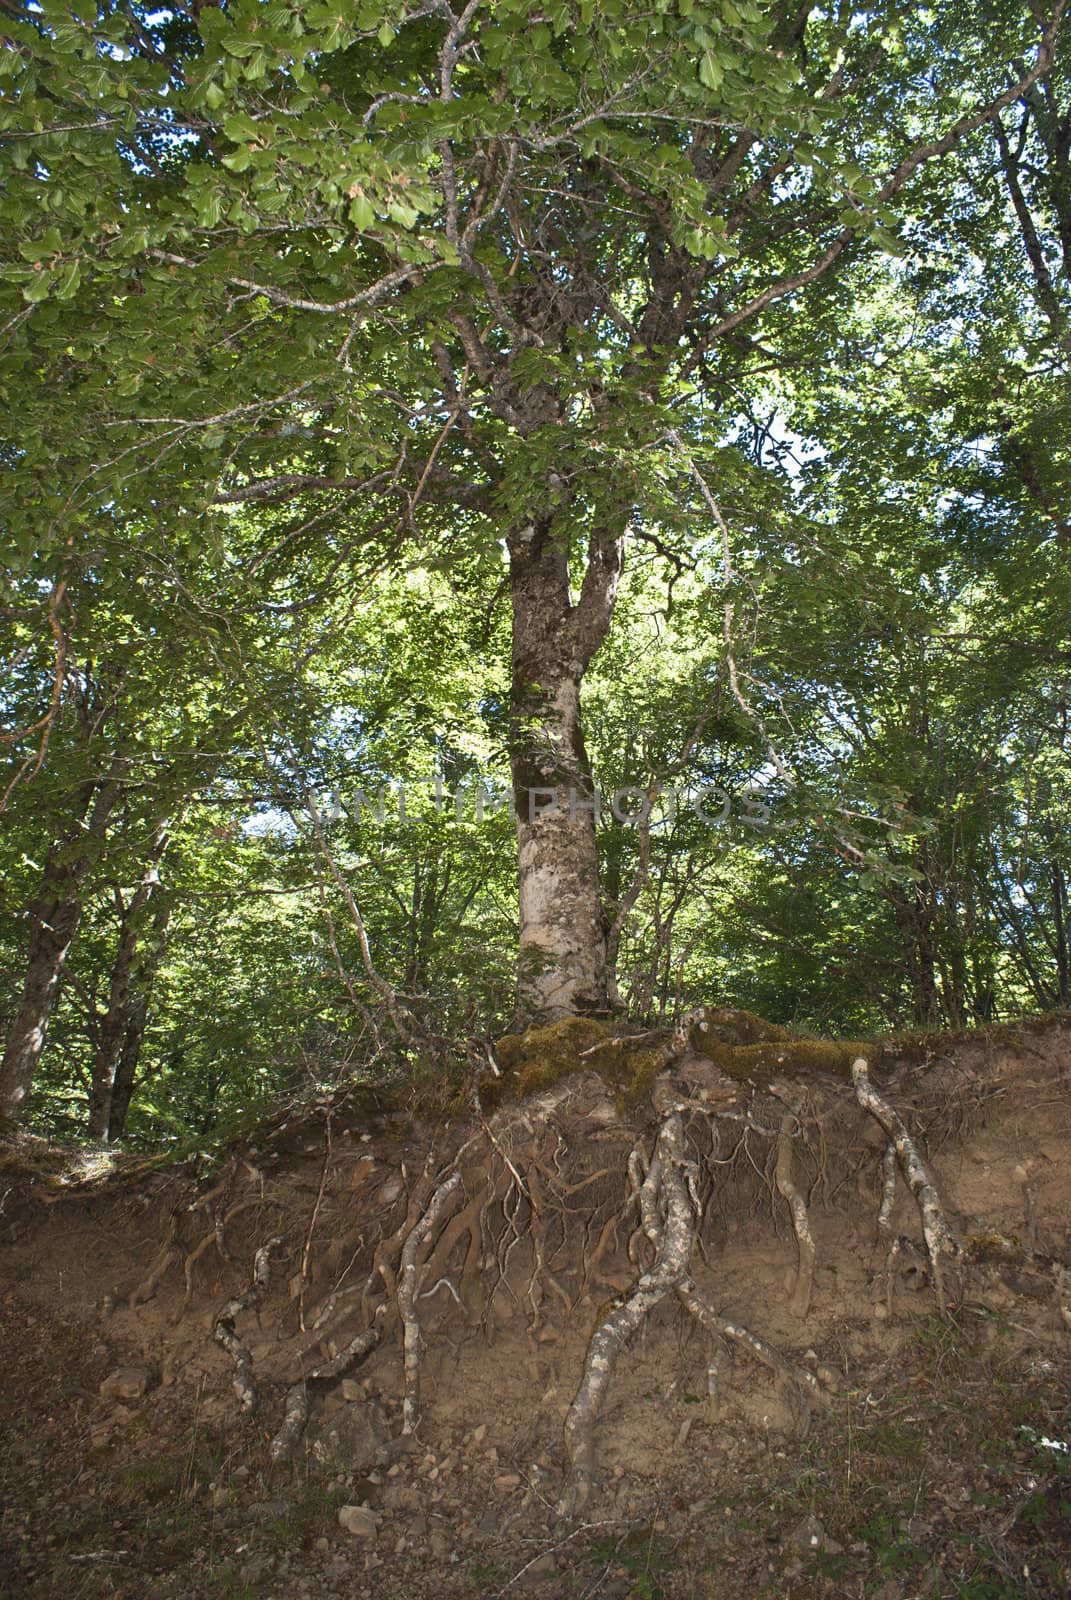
(620, 451)
(535, 799)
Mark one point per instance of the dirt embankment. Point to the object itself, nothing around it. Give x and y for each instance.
(698, 1314)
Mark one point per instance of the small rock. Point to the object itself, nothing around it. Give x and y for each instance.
(542, 1567)
(362, 1522)
(508, 1480)
(352, 1390)
(810, 1534)
(257, 1568)
(125, 1383)
(478, 1435)
(351, 1437)
(400, 1497)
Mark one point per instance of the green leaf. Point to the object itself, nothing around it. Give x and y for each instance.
(710, 70)
(37, 288)
(361, 212)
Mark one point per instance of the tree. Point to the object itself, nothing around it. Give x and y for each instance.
(457, 277)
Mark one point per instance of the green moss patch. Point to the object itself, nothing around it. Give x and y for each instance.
(792, 1058)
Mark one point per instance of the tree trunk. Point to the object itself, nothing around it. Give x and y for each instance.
(54, 919)
(1059, 918)
(562, 964)
(137, 1014)
(127, 969)
(914, 917)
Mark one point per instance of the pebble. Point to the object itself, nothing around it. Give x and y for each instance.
(125, 1383)
(361, 1521)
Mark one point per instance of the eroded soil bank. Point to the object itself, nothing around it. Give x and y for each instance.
(345, 1356)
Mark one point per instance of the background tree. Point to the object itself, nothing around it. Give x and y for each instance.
(493, 251)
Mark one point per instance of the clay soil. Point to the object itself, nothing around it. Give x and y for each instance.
(936, 1464)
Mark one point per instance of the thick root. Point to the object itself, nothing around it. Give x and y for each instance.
(409, 1278)
(223, 1329)
(800, 1302)
(886, 1239)
(804, 1383)
(940, 1240)
(665, 1183)
(296, 1407)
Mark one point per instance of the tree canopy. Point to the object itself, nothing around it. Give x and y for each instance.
(659, 416)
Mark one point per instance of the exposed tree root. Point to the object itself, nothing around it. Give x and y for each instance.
(526, 1212)
(666, 1185)
(296, 1406)
(888, 1191)
(1063, 1294)
(217, 1235)
(887, 1241)
(170, 1253)
(800, 1302)
(940, 1240)
(670, 1213)
(224, 1326)
(409, 1279)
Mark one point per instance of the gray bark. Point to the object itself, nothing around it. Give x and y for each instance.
(562, 967)
(54, 918)
(142, 936)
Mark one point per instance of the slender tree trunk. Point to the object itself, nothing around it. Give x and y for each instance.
(126, 1066)
(1059, 919)
(914, 917)
(121, 994)
(54, 919)
(562, 965)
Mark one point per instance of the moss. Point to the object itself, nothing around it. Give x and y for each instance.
(743, 1046)
(728, 1025)
(992, 1248)
(759, 1063)
(640, 1069)
(539, 1057)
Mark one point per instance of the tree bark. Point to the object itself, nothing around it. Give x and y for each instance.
(913, 911)
(562, 967)
(137, 1015)
(1059, 918)
(129, 972)
(54, 919)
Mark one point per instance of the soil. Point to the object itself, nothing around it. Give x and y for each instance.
(902, 1450)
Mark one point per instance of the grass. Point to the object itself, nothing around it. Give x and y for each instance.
(941, 1481)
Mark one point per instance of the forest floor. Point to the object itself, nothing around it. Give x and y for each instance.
(937, 1464)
